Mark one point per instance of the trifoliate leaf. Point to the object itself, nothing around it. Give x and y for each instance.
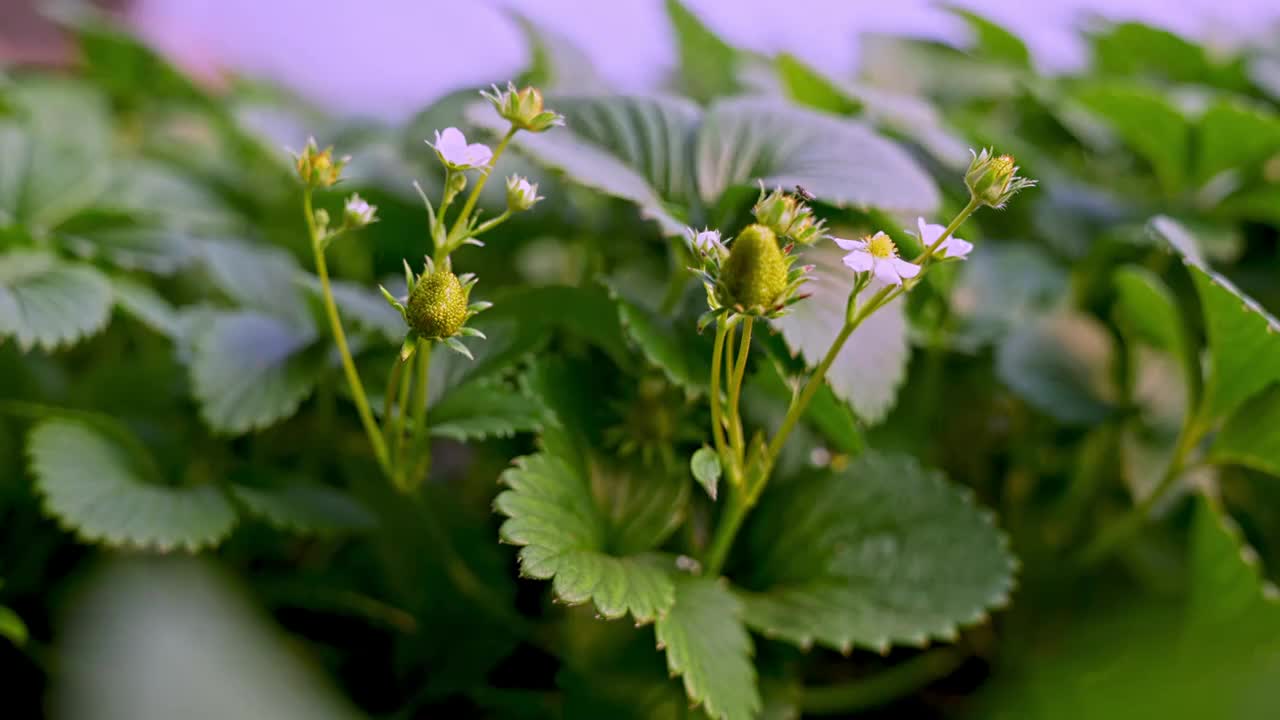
(744, 140)
(50, 303)
(147, 306)
(1251, 436)
(883, 553)
(708, 646)
(705, 466)
(1059, 364)
(104, 493)
(868, 371)
(305, 508)
(563, 536)
(483, 409)
(250, 370)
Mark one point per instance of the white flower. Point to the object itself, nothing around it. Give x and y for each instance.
(952, 248)
(704, 242)
(521, 194)
(359, 212)
(879, 256)
(451, 145)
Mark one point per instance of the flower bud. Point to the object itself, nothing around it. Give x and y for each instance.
(437, 305)
(788, 217)
(521, 194)
(317, 168)
(755, 273)
(358, 212)
(523, 108)
(993, 179)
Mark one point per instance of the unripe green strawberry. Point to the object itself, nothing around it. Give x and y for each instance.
(755, 273)
(437, 306)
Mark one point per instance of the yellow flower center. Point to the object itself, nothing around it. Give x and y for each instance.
(1002, 166)
(881, 246)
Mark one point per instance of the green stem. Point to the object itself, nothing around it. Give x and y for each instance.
(717, 420)
(420, 448)
(388, 401)
(737, 504)
(460, 222)
(954, 225)
(402, 402)
(735, 390)
(884, 687)
(801, 403)
(1123, 529)
(344, 351)
(492, 223)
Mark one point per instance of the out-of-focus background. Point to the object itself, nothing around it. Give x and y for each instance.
(389, 58)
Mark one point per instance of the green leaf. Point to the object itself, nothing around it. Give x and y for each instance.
(563, 536)
(1235, 136)
(1251, 436)
(885, 552)
(364, 308)
(672, 347)
(708, 66)
(129, 246)
(49, 303)
(1148, 306)
(1145, 52)
(634, 148)
(1147, 122)
(12, 627)
(1001, 288)
(827, 413)
(842, 162)
(265, 279)
(305, 508)
(993, 41)
(147, 306)
(96, 488)
(1244, 344)
(484, 409)
(873, 364)
(705, 466)
(585, 312)
(251, 370)
(707, 644)
(813, 89)
(1059, 366)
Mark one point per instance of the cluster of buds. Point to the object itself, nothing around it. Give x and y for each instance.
(993, 179)
(317, 168)
(788, 216)
(750, 275)
(437, 307)
(523, 108)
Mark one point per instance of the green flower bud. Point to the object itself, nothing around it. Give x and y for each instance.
(523, 108)
(521, 194)
(755, 273)
(438, 305)
(788, 217)
(317, 168)
(993, 179)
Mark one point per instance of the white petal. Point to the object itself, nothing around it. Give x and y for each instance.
(849, 244)
(886, 273)
(478, 154)
(903, 268)
(929, 234)
(954, 247)
(859, 261)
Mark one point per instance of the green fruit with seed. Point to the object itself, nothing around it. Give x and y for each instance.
(437, 306)
(755, 273)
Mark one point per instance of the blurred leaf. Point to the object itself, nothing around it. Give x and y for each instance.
(12, 627)
(305, 508)
(127, 68)
(147, 306)
(917, 67)
(251, 370)
(1235, 136)
(707, 65)
(1251, 435)
(707, 644)
(1149, 123)
(705, 466)
(993, 41)
(95, 488)
(1059, 365)
(363, 308)
(159, 250)
(1148, 306)
(49, 303)
(843, 163)
(585, 312)
(556, 64)
(265, 279)
(563, 537)
(481, 409)
(885, 552)
(827, 413)
(671, 346)
(1002, 288)
(1132, 49)
(809, 87)
(873, 364)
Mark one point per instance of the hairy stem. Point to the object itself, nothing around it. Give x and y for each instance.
(717, 421)
(420, 447)
(340, 339)
(735, 391)
(460, 222)
(736, 506)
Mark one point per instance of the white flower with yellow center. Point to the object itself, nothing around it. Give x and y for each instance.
(878, 256)
(451, 145)
(953, 248)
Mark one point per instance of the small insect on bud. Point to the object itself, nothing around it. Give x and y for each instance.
(358, 212)
(521, 194)
(755, 273)
(523, 108)
(787, 216)
(317, 168)
(437, 305)
(993, 179)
